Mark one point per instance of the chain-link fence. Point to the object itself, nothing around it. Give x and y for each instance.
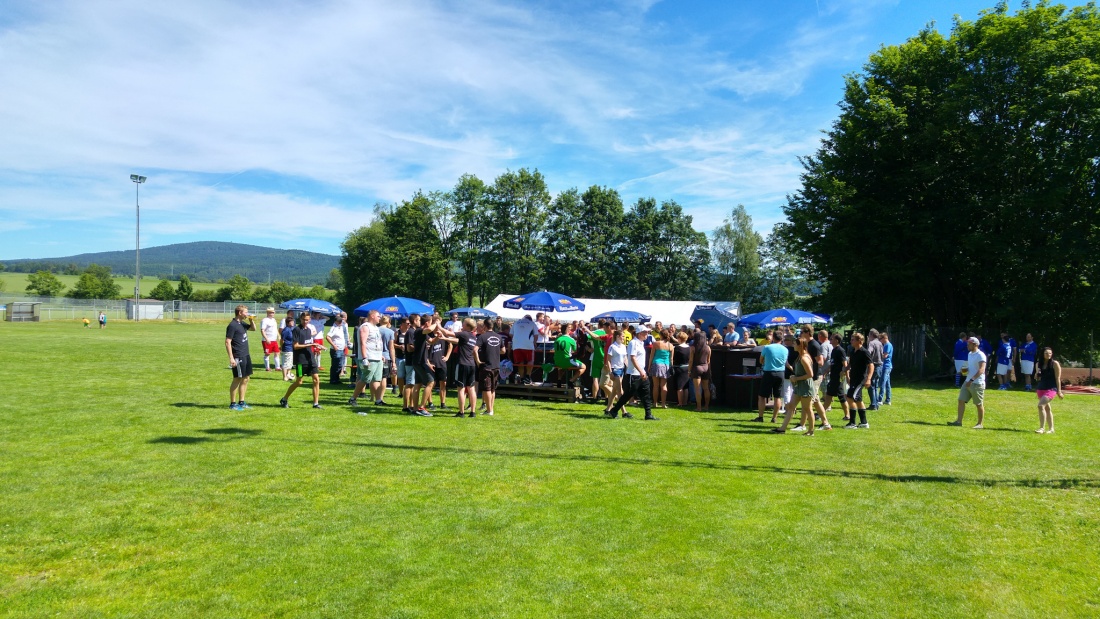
(65, 308)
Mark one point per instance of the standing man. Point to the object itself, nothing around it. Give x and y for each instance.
(874, 346)
(961, 352)
(817, 359)
(860, 371)
(827, 355)
(440, 355)
(423, 372)
(885, 395)
(337, 338)
(102, 319)
(388, 350)
(1027, 359)
(524, 334)
(304, 353)
(370, 360)
(1004, 363)
(490, 346)
(974, 386)
(269, 333)
(466, 371)
(286, 348)
(240, 362)
(838, 373)
(399, 340)
(637, 381)
(773, 362)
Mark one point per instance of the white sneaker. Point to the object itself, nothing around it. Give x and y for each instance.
(1040, 431)
(979, 427)
(798, 429)
(863, 426)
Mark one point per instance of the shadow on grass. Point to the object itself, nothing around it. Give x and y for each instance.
(944, 425)
(180, 440)
(241, 432)
(938, 479)
(197, 405)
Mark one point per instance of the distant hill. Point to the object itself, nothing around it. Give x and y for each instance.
(201, 261)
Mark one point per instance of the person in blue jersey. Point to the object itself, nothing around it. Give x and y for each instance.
(986, 348)
(1027, 359)
(961, 353)
(773, 361)
(885, 394)
(1004, 363)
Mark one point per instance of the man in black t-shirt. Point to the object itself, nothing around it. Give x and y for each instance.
(420, 375)
(439, 352)
(305, 347)
(838, 376)
(813, 347)
(490, 346)
(860, 372)
(240, 362)
(465, 343)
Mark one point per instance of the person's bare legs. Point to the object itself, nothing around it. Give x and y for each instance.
(316, 389)
(706, 394)
(235, 390)
(808, 405)
(697, 382)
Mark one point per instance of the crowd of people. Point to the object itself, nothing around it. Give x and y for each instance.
(616, 365)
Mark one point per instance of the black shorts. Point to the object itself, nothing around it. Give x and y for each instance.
(465, 376)
(305, 369)
(771, 384)
(424, 376)
(833, 390)
(488, 379)
(387, 368)
(243, 369)
(441, 373)
(855, 392)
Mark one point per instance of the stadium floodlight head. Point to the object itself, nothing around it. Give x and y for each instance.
(137, 178)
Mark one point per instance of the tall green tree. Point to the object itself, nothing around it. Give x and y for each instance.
(237, 288)
(583, 235)
(95, 282)
(959, 184)
(443, 211)
(662, 256)
(518, 203)
(735, 253)
(44, 284)
(184, 289)
(163, 291)
(472, 235)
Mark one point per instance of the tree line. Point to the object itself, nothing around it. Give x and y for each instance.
(477, 240)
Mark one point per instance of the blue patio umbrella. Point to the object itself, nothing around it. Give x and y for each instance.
(472, 312)
(717, 314)
(544, 301)
(782, 316)
(623, 316)
(395, 307)
(311, 305)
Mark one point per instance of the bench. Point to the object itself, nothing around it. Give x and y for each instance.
(541, 392)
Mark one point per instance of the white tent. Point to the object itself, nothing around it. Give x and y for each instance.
(668, 312)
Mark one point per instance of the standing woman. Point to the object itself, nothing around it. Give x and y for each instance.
(659, 369)
(1048, 376)
(699, 362)
(616, 364)
(681, 374)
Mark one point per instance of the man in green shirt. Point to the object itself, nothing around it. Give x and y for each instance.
(564, 347)
(600, 340)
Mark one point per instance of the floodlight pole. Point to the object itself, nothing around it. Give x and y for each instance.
(137, 180)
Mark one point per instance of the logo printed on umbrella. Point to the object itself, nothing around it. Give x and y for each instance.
(779, 319)
(392, 308)
(518, 300)
(565, 302)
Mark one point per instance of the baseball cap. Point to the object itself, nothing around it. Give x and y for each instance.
(973, 340)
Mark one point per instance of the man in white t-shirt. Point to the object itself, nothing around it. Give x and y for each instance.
(524, 334)
(454, 324)
(370, 360)
(973, 388)
(337, 338)
(269, 333)
(637, 381)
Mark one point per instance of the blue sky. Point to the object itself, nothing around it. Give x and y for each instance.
(282, 123)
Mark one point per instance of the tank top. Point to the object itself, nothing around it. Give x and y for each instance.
(661, 357)
(1046, 377)
(680, 354)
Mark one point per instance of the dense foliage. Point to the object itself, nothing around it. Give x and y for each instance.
(959, 184)
(513, 236)
(95, 282)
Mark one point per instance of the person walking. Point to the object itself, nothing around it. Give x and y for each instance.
(838, 376)
(805, 391)
(773, 361)
(305, 351)
(370, 361)
(860, 372)
(637, 381)
(1048, 376)
(240, 362)
(973, 388)
(615, 369)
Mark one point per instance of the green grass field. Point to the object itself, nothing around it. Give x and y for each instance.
(129, 489)
(16, 283)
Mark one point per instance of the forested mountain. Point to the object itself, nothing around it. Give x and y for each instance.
(201, 261)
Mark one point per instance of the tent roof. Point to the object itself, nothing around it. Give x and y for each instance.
(677, 312)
